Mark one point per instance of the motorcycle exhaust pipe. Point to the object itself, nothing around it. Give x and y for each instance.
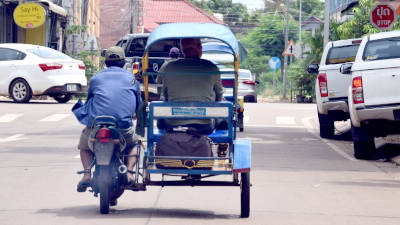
(122, 169)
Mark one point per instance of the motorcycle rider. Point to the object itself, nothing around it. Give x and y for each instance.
(112, 92)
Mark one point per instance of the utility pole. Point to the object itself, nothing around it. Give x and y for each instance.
(326, 23)
(301, 49)
(133, 27)
(285, 57)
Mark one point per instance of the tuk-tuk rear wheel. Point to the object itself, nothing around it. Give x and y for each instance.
(245, 195)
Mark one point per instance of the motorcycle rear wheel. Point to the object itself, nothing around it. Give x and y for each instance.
(104, 189)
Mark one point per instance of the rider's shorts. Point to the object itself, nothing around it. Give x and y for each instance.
(129, 135)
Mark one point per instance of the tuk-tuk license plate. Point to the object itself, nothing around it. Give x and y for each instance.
(72, 87)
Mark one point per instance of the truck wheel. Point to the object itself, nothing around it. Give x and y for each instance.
(364, 145)
(326, 126)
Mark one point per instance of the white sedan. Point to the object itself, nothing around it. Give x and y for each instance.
(33, 70)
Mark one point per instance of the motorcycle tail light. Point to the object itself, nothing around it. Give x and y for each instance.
(323, 84)
(104, 135)
(358, 94)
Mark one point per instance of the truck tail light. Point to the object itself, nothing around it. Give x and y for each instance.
(357, 86)
(323, 84)
(50, 66)
(135, 68)
(103, 135)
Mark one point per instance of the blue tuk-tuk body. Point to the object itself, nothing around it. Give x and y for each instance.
(238, 159)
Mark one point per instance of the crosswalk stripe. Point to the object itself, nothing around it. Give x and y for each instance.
(54, 118)
(9, 117)
(286, 120)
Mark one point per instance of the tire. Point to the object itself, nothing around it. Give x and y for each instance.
(20, 91)
(364, 145)
(240, 122)
(104, 189)
(245, 195)
(62, 98)
(326, 126)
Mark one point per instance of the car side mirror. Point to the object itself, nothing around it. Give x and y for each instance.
(103, 52)
(313, 68)
(346, 68)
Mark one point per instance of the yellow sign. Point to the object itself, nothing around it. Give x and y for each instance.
(29, 15)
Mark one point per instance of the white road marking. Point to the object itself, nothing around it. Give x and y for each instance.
(310, 128)
(273, 126)
(77, 157)
(9, 117)
(287, 120)
(55, 117)
(15, 137)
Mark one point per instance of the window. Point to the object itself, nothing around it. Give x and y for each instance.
(343, 54)
(382, 49)
(48, 53)
(7, 54)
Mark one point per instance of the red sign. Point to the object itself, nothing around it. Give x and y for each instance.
(383, 16)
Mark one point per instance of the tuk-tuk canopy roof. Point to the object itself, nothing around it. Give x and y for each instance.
(194, 30)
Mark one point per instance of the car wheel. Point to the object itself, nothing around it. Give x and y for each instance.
(20, 91)
(364, 145)
(326, 126)
(62, 98)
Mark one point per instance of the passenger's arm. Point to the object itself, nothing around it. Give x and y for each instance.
(218, 88)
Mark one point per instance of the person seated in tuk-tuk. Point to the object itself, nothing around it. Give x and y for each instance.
(195, 80)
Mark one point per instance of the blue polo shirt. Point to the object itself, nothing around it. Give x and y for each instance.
(112, 92)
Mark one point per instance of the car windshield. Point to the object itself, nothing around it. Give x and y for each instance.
(382, 49)
(342, 54)
(48, 53)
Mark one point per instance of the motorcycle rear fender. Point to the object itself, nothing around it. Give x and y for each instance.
(103, 152)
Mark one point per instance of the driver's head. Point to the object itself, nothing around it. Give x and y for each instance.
(191, 47)
(115, 56)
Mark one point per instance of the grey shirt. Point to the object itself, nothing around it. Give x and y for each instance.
(186, 80)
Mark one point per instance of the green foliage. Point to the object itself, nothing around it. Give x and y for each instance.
(234, 13)
(268, 38)
(76, 29)
(303, 82)
(359, 24)
(256, 64)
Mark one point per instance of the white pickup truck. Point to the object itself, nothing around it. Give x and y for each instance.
(374, 93)
(331, 85)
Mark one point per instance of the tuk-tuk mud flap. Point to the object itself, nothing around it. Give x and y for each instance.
(242, 156)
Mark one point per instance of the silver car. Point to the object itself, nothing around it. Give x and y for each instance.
(247, 88)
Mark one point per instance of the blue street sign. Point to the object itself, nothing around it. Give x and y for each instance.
(274, 63)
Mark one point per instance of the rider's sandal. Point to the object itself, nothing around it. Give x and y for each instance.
(130, 179)
(83, 184)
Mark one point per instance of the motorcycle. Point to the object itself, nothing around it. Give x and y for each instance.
(107, 144)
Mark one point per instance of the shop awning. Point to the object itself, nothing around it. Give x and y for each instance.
(54, 8)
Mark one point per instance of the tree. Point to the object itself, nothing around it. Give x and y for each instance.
(233, 13)
(358, 25)
(268, 37)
